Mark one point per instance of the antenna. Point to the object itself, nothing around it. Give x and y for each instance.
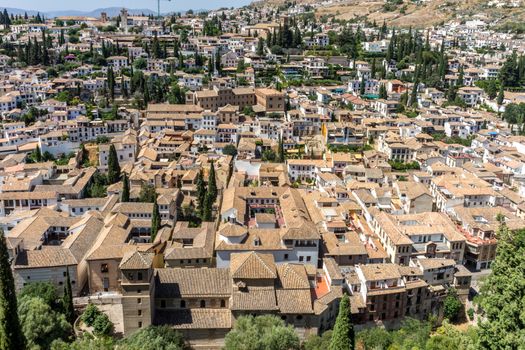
(158, 7)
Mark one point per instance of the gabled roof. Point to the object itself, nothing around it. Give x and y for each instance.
(252, 265)
(293, 276)
(135, 260)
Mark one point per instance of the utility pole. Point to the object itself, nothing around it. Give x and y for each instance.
(158, 8)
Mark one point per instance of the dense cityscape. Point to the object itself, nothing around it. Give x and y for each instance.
(276, 176)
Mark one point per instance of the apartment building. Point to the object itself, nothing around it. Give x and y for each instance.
(273, 219)
(409, 235)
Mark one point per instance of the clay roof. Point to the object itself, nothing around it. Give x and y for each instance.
(252, 265)
(180, 283)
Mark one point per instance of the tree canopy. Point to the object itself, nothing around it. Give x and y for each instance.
(261, 332)
(502, 296)
(154, 338)
(343, 336)
(41, 325)
(11, 335)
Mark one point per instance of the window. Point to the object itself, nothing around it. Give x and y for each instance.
(104, 268)
(203, 303)
(285, 256)
(139, 312)
(308, 258)
(64, 273)
(140, 324)
(130, 276)
(139, 300)
(182, 304)
(139, 276)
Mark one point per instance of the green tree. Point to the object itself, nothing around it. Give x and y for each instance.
(113, 165)
(260, 47)
(382, 92)
(212, 183)
(11, 335)
(229, 150)
(501, 295)
(315, 342)
(154, 338)
(44, 290)
(452, 306)
(501, 95)
(248, 110)
(147, 193)
(375, 338)
(155, 220)
(125, 188)
(207, 212)
(67, 299)
(86, 342)
(449, 337)
(37, 154)
(90, 314)
(413, 94)
(343, 335)
(111, 83)
(413, 334)
(201, 190)
(281, 155)
(40, 324)
(261, 332)
(461, 75)
(140, 63)
(177, 95)
(269, 156)
(102, 325)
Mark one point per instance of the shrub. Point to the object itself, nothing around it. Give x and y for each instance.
(102, 325)
(470, 313)
(90, 314)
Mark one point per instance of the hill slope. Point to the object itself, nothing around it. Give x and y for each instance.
(427, 13)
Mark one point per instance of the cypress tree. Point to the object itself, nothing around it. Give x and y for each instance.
(282, 157)
(38, 154)
(382, 92)
(413, 95)
(212, 184)
(460, 77)
(125, 189)
(201, 191)
(501, 95)
(343, 336)
(155, 220)
(67, 299)
(218, 65)
(113, 165)
(111, 83)
(208, 204)
(260, 47)
(11, 337)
